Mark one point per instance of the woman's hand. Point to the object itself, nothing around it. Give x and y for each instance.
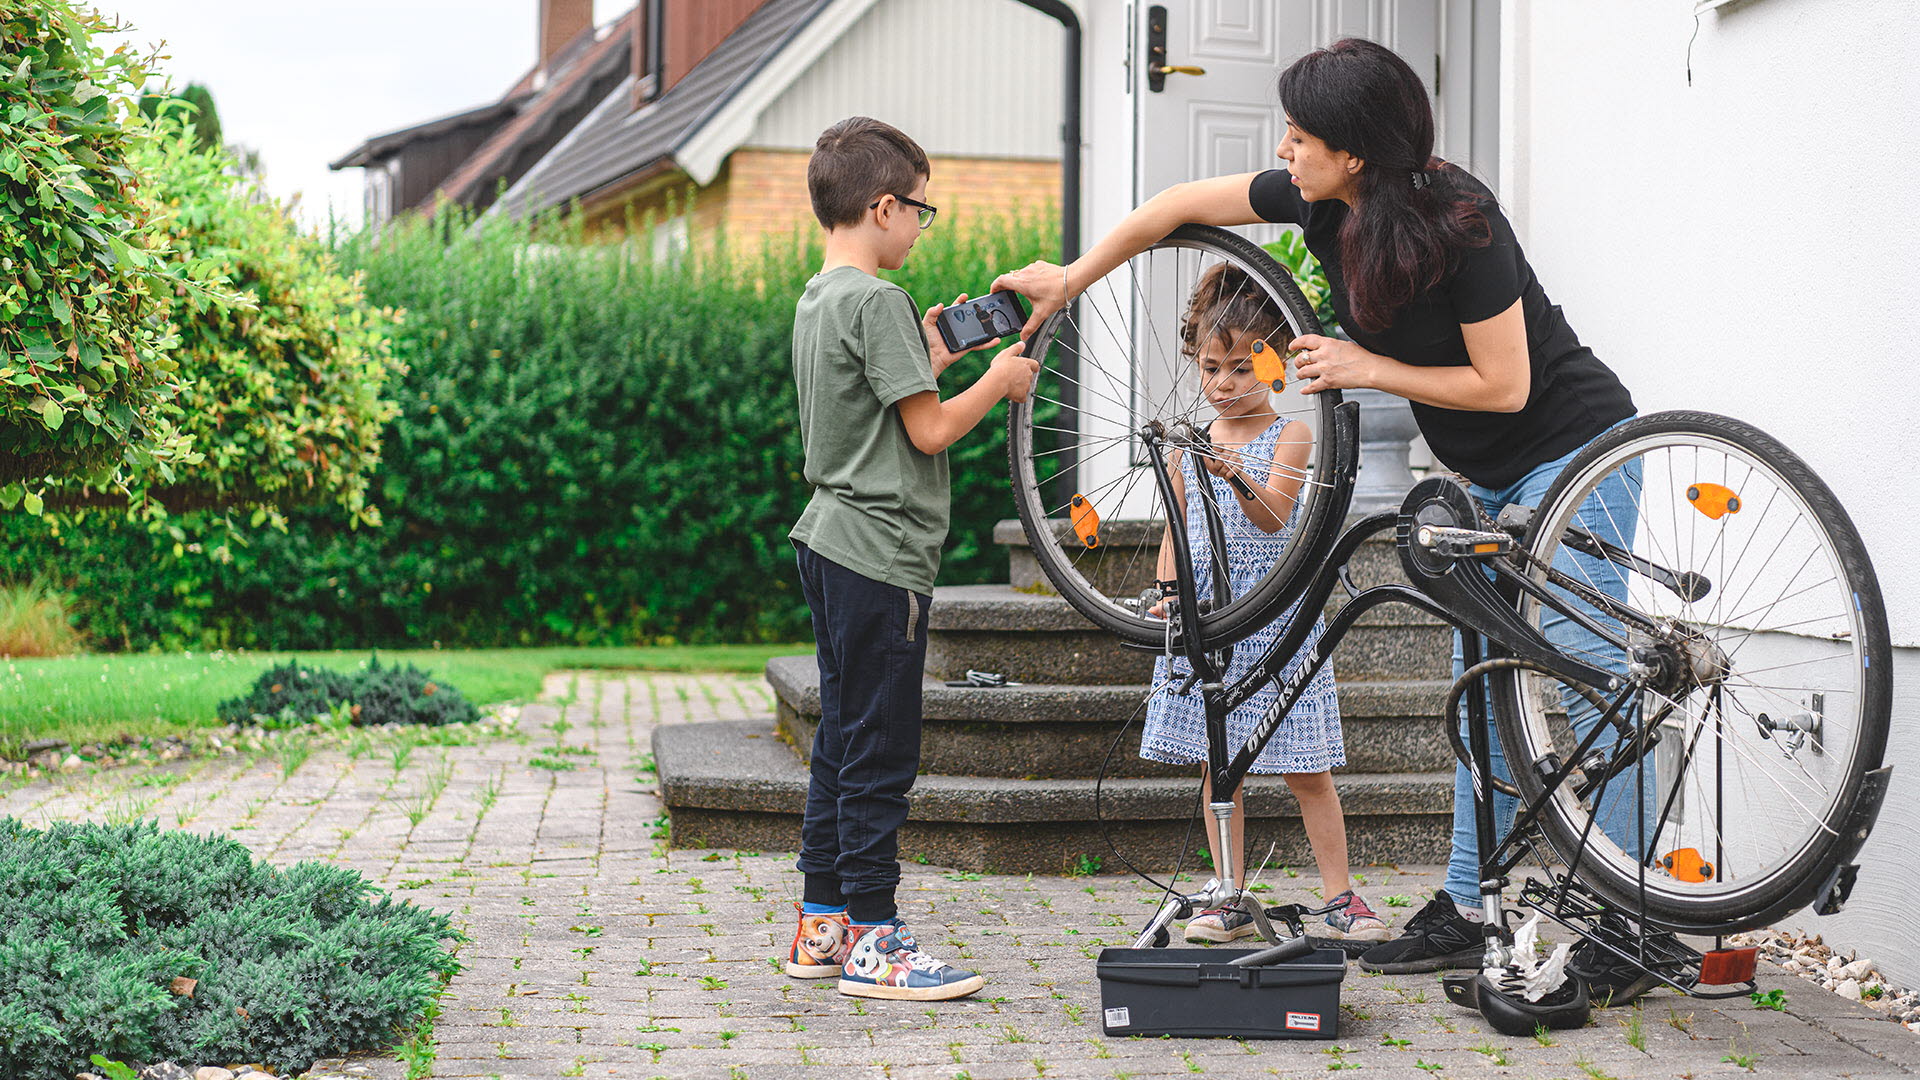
(1044, 284)
(1333, 364)
(937, 345)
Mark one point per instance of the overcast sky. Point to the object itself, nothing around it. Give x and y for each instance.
(305, 82)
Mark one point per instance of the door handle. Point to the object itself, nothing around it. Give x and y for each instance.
(1180, 69)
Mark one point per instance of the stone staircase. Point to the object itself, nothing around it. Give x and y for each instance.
(1008, 774)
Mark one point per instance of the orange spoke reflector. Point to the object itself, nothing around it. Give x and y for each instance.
(1713, 500)
(1724, 967)
(1269, 365)
(1086, 521)
(1687, 864)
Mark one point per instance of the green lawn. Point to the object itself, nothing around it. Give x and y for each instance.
(89, 698)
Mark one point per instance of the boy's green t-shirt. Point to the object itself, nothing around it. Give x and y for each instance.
(880, 507)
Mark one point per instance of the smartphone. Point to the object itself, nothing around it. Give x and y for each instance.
(980, 320)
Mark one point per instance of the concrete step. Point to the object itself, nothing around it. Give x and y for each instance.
(1028, 637)
(1376, 562)
(736, 785)
(1122, 565)
(1062, 731)
(1032, 637)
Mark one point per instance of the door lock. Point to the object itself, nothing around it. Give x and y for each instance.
(1157, 67)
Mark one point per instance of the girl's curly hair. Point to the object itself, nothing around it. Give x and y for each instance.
(1228, 302)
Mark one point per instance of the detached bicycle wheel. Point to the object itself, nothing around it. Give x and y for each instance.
(1120, 361)
(1745, 596)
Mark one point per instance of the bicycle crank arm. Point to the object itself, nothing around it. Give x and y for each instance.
(1442, 504)
(1688, 585)
(1517, 520)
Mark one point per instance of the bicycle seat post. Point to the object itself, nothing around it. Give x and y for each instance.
(1229, 870)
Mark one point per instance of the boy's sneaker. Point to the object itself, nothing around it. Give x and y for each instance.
(884, 962)
(1435, 939)
(1355, 921)
(1221, 924)
(820, 945)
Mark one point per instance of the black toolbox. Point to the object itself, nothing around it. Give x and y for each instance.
(1203, 992)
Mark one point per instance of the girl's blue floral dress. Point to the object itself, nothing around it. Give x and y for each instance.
(1308, 740)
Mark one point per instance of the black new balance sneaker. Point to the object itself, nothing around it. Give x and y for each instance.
(1436, 939)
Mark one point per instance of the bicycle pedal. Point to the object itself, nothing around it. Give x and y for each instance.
(1462, 543)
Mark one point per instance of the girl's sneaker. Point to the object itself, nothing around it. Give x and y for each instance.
(820, 945)
(1221, 924)
(1355, 921)
(884, 962)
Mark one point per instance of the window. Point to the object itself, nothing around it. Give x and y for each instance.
(670, 240)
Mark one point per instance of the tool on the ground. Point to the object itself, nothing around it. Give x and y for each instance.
(990, 679)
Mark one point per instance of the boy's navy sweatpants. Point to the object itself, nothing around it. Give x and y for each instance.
(872, 649)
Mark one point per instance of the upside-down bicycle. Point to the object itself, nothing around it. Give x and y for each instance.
(1683, 648)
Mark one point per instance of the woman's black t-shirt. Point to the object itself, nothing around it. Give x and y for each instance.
(1573, 396)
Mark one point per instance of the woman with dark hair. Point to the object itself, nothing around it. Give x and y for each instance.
(1442, 309)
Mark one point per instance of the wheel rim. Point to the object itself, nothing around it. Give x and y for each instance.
(1731, 810)
(1125, 379)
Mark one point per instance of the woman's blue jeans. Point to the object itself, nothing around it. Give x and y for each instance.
(1610, 513)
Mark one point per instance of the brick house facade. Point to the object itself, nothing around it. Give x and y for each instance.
(714, 103)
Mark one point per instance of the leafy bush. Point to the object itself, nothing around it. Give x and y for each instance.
(1290, 251)
(282, 365)
(295, 693)
(291, 965)
(590, 449)
(34, 620)
(85, 377)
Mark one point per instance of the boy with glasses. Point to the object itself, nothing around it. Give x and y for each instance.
(868, 546)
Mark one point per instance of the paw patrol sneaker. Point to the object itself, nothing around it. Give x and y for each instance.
(884, 962)
(819, 945)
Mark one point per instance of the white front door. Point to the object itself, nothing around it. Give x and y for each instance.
(1228, 120)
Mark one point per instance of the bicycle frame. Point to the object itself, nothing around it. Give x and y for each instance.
(1456, 591)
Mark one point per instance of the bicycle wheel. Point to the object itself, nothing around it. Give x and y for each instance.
(1119, 360)
(1752, 612)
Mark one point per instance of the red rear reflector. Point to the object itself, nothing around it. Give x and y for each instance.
(1723, 967)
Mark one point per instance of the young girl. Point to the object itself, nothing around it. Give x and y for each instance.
(1268, 454)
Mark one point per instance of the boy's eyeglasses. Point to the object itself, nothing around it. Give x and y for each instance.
(926, 212)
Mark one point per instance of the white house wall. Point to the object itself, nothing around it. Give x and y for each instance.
(1747, 245)
(963, 77)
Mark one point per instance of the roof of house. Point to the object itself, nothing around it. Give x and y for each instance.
(392, 142)
(565, 92)
(615, 143)
(528, 109)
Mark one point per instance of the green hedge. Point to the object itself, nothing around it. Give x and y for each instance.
(291, 965)
(590, 449)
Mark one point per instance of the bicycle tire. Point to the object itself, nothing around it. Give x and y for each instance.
(1847, 646)
(1051, 538)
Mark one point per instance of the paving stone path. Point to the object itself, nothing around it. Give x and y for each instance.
(597, 952)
